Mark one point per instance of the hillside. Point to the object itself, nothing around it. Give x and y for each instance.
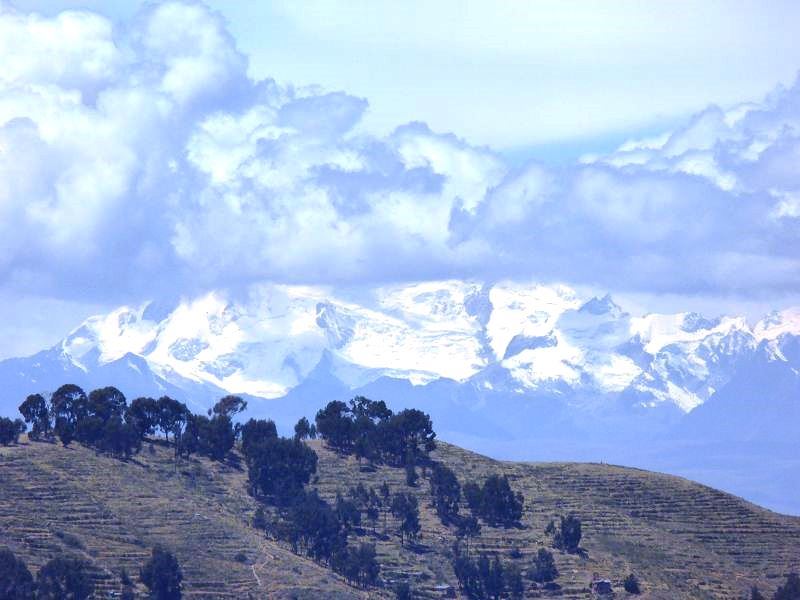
(682, 539)
(513, 370)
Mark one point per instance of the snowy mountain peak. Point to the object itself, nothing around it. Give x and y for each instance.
(778, 323)
(525, 338)
(601, 306)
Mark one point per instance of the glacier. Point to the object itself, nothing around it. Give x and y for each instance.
(516, 370)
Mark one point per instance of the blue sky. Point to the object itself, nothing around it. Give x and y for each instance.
(649, 149)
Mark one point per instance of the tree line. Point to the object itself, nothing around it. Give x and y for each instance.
(280, 470)
(70, 576)
(104, 420)
(369, 430)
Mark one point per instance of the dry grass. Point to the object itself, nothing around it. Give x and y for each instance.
(51, 496)
(683, 540)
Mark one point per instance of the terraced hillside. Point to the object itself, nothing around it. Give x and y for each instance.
(682, 540)
(113, 512)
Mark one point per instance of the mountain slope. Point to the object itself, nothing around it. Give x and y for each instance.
(513, 370)
(682, 539)
(119, 510)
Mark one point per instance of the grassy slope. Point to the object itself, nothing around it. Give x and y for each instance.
(119, 510)
(682, 539)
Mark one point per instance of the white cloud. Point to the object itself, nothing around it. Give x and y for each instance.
(75, 50)
(151, 163)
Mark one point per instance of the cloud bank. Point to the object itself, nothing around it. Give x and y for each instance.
(143, 161)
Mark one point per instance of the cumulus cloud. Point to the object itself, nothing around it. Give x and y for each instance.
(145, 161)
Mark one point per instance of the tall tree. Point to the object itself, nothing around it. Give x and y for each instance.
(16, 581)
(37, 414)
(499, 504)
(304, 430)
(445, 492)
(228, 406)
(69, 406)
(513, 581)
(568, 538)
(406, 509)
(631, 584)
(162, 575)
(278, 468)
(64, 577)
(172, 416)
(789, 590)
(257, 431)
(143, 414)
(335, 426)
(491, 575)
(106, 402)
(544, 567)
(10, 430)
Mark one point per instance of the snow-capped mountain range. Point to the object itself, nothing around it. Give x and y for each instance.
(524, 371)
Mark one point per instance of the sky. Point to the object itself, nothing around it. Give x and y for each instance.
(160, 149)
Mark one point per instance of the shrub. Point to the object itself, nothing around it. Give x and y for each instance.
(405, 508)
(71, 540)
(568, 537)
(631, 584)
(37, 414)
(495, 502)
(278, 468)
(16, 581)
(789, 590)
(162, 575)
(403, 592)
(11, 430)
(260, 519)
(544, 567)
(445, 492)
(64, 577)
(370, 430)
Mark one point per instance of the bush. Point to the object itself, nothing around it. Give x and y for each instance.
(445, 492)
(278, 468)
(358, 565)
(631, 584)
(789, 590)
(495, 502)
(472, 494)
(405, 508)
(11, 430)
(16, 581)
(71, 540)
(260, 519)
(544, 567)
(37, 414)
(486, 578)
(314, 527)
(162, 575)
(370, 430)
(755, 594)
(403, 592)
(64, 577)
(568, 538)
